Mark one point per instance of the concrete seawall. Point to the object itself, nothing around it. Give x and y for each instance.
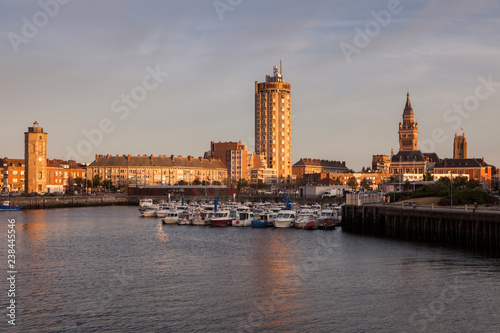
(475, 229)
(73, 201)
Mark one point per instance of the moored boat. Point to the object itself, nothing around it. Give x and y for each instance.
(7, 206)
(221, 219)
(285, 219)
(203, 218)
(172, 217)
(265, 220)
(244, 219)
(327, 219)
(305, 219)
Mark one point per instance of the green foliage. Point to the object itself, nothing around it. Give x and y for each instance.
(196, 181)
(96, 181)
(353, 183)
(428, 176)
(468, 196)
(241, 183)
(364, 184)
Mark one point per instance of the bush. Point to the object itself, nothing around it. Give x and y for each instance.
(444, 202)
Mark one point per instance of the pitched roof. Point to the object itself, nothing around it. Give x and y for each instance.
(414, 156)
(156, 161)
(461, 163)
(12, 162)
(321, 163)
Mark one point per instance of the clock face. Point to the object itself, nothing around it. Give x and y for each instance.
(40, 159)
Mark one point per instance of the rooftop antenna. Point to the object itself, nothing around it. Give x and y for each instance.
(281, 67)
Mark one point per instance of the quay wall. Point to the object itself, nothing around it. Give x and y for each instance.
(43, 202)
(474, 229)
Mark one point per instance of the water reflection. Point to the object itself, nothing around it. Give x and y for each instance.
(161, 234)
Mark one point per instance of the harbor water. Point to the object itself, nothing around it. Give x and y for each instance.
(106, 269)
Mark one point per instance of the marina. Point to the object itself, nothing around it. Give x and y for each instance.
(108, 269)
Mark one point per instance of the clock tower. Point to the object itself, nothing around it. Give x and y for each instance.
(408, 130)
(35, 159)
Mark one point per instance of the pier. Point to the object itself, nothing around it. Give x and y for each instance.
(472, 228)
(43, 202)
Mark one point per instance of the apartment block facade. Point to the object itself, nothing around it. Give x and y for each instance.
(156, 170)
(273, 124)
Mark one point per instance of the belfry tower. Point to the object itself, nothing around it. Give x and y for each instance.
(408, 129)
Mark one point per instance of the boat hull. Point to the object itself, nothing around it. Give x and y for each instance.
(327, 224)
(283, 224)
(200, 222)
(5, 207)
(241, 223)
(149, 214)
(260, 224)
(220, 223)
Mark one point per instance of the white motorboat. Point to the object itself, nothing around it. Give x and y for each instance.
(244, 219)
(163, 210)
(203, 218)
(221, 218)
(149, 212)
(285, 219)
(327, 219)
(171, 218)
(305, 218)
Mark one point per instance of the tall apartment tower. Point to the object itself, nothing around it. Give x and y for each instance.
(273, 123)
(460, 146)
(408, 130)
(35, 156)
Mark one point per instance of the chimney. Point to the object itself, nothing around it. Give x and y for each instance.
(152, 158)
(190, 158)
(107, 156)
(128, 157)
(172, 157)
(200, 158)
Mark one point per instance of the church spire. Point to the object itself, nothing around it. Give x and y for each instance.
(408, 109)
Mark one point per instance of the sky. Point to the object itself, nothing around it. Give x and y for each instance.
(169, 77)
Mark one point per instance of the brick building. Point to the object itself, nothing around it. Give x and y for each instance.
(156, 170)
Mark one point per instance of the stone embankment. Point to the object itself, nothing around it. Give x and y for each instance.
(42, 202)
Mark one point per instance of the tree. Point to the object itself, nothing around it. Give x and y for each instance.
(364, 184)
(107, 184)
(216, 182)
(353, 183)
(428, 176)
(79, 181)
(473, 184)
(241, 183)
(196, 181)
(96, 181)
(181, 182)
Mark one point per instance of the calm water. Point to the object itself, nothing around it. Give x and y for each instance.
(108, 270)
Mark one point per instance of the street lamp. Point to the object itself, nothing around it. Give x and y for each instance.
(451, 186)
